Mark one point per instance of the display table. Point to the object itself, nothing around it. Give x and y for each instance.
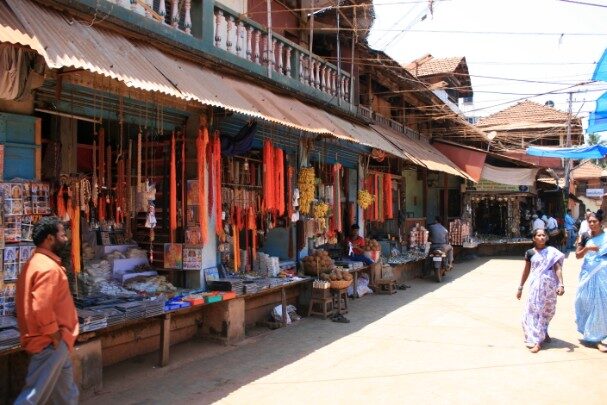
(223, 321)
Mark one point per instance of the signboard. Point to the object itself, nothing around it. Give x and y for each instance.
(594, 192)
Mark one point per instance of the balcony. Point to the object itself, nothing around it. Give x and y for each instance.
(213, 31)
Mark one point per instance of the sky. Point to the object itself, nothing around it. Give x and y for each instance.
(515, 49)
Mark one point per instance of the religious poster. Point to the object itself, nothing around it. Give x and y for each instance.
(27, 228)
(11, 263)
(192, 258)
(13, 198)
(193, 236)
(192, 192)
(173, 255)
(40, 193)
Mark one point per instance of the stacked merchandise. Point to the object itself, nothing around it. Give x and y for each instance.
(9, 335)
(91, 320)
(418, 237)
(132, 310)
(154, 307)
(227, 284)
(112, 315)
(459, 231)
(250, 287)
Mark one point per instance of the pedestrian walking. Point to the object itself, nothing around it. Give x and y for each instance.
(571, 230)
(537, 222)
(543, 267)
(47, 319)
(591, 297)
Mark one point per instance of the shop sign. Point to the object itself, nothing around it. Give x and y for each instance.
(594, 192)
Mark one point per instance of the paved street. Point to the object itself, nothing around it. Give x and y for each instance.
(455, 342)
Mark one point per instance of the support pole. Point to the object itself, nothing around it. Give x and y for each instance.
(568, 162)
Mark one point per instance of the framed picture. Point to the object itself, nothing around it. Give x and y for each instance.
(211, 274)
(193, 236)
(192, 192)
(173, 256)
(192, 257)
(27, 228)
(12, 229)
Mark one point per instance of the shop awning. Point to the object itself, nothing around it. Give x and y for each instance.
(421, 152)
(575, 153)
(510, 176)
(469, 160)
(65, 42)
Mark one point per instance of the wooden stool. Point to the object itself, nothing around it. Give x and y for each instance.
(385, 286)
(325, 307)
(340, 301)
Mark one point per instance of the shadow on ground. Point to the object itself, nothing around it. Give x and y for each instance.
(208, 372)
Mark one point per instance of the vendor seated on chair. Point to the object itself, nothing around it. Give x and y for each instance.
(439, 238)
(355, 245)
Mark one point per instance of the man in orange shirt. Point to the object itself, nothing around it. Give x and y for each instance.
(47, 319)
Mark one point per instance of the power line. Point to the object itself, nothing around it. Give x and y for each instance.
(584, 3)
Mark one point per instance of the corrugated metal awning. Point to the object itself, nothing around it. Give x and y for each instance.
(423, 152)
(66, 42)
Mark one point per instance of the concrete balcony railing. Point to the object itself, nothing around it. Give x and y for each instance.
(252, 42)
(177, 14)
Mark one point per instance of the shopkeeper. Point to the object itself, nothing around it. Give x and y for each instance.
(355, 247)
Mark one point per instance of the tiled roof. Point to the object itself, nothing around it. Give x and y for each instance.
(429, 65)
(525, 111)
(588, 170)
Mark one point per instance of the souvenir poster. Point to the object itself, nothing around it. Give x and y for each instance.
(27, 228)
(192, 192)
(25, 252)
(12, 229)
(173, 255)
(211, 274)
(27, 198)
(41, 198)
(13, 198)
(193, 236)
(192, 217)
(11, 263)
(192, 258)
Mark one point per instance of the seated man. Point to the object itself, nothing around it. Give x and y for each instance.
(439, 238)
(355, 244)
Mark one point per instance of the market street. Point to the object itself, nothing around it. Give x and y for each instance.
(456, 342)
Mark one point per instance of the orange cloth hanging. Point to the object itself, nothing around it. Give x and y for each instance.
(290, 174)
(376, 193)
(173, 192)
(337, 197)
(268, 178)
(61, 203)
(388, 208)
(203, 214)
(252, 226)
(217, 183)
(75, 216)
(211, 176)
(279, 181)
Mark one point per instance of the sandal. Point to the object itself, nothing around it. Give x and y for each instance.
(340, 318)
(535, 349)
(602, 347)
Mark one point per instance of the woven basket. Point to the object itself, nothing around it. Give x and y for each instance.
(340, 284)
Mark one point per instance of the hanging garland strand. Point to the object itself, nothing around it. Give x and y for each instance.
(201, 144)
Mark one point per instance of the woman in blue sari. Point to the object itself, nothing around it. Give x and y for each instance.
(591, 298)
(543, 267)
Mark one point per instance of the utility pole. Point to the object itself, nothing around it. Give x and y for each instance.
(568, 162)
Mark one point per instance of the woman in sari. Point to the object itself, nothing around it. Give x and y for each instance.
(591, 298)
(543, 267)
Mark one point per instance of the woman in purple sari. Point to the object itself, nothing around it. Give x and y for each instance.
(543, 267)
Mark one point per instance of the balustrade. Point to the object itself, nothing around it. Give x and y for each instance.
(249, 40)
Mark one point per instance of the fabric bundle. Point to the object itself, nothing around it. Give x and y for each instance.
(268, 178)
(279, 186)
(337, 221)
(388, 206)
(217, 183)
(201, 145)
(173, 191)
